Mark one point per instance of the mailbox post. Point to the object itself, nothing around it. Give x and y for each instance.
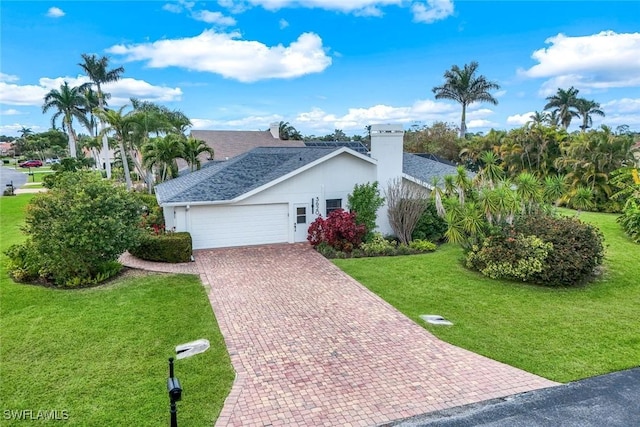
(175, 394)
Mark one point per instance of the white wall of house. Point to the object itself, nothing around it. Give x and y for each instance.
(272, 215)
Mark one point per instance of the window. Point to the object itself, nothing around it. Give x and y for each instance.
(333, 204)
(301, 215)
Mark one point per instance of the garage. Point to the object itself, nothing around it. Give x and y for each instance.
(224, 226)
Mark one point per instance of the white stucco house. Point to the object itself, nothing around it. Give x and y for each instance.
(272, 194)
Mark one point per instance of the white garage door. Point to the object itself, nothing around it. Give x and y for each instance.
(224, 226)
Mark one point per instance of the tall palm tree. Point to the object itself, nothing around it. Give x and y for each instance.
(465, 87)
(69, 103)
(98, 72)
(192, 149)
(287, 131)
(121, 126)
(552, 119)
(586, 109)
(564, 104)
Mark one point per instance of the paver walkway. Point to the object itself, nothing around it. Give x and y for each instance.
(313, 347)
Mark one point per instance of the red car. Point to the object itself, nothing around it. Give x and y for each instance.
(31, 164)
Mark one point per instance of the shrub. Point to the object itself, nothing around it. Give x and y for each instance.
(5, 161)
(152, 214)
(169, 247)
(339, 230)
(365, 202)
(507, 257)
(577, 248)
(378, 245)
(422, 245)
(76, 231)
(430, 226)
(630, 220)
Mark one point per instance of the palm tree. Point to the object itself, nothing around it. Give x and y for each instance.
(564, 104)
(25, 132)
(96, 69)
(463, 86)
(586, 109)
(538, 118)
(121, 125)
(552, 119)
(70, 104)
(161, 153)
(192, 149)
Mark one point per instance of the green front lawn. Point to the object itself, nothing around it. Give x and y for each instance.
(101, 354)
(560, 334)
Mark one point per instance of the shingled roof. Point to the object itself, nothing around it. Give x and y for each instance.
(228, 180)
(228, 144)
(425, 169)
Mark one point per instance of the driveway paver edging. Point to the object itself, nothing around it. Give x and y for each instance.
(313, 347)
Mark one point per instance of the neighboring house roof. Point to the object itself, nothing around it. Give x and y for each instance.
(354, 145)
(225, 181)
(227, 144)
(423, 170)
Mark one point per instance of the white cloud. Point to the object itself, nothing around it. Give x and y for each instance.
(10, 112)
(625, 111)
(244, 123)
(480, 124)
(520, 119)
(8, 78)
(121, 91)
(172, 7)
(432, 10)
(346, 6)
(13, 128)
(55, 12)
(421, 111)
(283, 24)
(594, 62)
(213, 18)
(230, 56)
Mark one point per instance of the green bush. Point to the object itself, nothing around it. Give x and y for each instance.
(422, 245)
(6, 161)
(377, 246)
(169, 247)
(76, 231)
(577, 248)
(630, 220)
(152, 215)
(430, 226)
(365, 200)
(507, 257)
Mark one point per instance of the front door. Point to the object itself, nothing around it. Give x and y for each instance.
(302, 215)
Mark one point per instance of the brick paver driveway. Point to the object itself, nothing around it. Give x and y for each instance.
(313, 347)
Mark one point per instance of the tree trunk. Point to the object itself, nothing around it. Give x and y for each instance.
(72, 140)
(125, 165)
(105, 140)
(463, 122)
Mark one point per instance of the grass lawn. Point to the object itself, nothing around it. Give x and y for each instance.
(560, 334)
(101, 353)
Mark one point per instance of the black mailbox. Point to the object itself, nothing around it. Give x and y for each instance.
(174, 389)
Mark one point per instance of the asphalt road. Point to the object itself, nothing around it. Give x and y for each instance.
(611, 400)
(7, 175)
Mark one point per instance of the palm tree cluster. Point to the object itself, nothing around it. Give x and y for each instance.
(154, 131)
(566, 105)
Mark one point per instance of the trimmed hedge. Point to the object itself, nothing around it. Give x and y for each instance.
(170, 247)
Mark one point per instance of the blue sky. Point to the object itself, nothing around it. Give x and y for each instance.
(323, 64)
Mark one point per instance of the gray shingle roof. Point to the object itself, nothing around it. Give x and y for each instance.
(426, 170)
(227, 144)
(230, 179)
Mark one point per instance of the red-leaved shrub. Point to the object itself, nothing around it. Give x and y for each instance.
(339, 230)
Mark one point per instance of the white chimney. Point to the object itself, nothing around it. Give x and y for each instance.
(387, 150)
(274, 128)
